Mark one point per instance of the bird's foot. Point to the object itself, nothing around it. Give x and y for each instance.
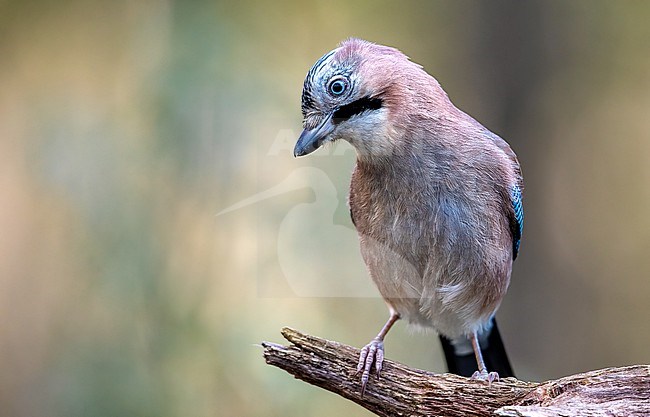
(372, 353)
(484, 375)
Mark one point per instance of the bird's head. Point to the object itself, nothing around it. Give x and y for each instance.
(363, 93)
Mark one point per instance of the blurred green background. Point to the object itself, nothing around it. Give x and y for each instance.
(127, 126)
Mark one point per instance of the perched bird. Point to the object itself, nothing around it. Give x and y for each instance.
(436, 198)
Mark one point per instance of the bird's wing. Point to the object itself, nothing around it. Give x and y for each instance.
(517, 220)
(516, 216)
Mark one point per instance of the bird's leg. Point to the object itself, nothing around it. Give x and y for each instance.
(482, 373)
(373, 352)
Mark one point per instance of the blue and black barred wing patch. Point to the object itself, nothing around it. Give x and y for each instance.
(517, 224)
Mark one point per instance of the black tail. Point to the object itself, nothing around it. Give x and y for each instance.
(494, 355)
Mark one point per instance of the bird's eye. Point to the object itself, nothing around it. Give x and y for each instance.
(338, 86)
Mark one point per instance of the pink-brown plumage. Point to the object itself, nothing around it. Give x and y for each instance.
(431, 194)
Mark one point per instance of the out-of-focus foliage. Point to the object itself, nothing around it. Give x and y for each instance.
(125, 127)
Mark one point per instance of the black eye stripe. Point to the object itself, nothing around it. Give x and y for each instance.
(364, 104)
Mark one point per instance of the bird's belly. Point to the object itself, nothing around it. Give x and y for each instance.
(424, 294)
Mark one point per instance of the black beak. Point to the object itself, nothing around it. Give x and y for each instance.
(312, 139)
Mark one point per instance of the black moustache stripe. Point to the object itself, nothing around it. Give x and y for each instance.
(343, 113)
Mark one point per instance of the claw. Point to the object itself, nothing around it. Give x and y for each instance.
(484, 375)
(371, 354)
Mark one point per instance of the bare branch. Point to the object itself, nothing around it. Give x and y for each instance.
(403, 391)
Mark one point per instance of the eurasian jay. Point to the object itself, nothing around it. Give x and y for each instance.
(436, 198)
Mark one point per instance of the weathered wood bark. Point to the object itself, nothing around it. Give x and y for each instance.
(402, 391)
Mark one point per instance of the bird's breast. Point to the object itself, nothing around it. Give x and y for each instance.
(438, 254)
